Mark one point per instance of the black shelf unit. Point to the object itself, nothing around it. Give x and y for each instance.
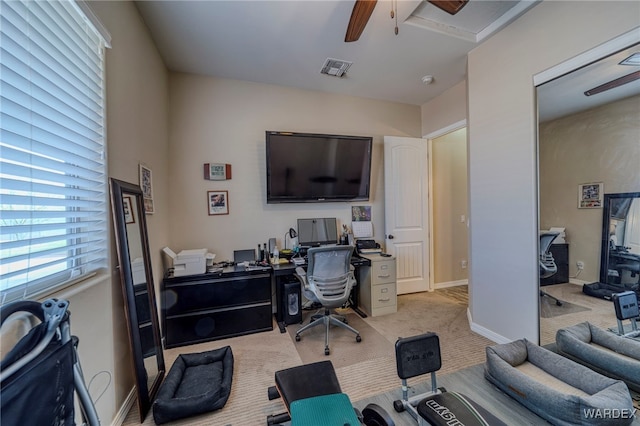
(206, 307)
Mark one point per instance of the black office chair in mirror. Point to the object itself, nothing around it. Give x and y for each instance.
(134, 263)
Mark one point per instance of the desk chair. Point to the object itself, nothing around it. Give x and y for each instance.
(328, 280)
(548, 265)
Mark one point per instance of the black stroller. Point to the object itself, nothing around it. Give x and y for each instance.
(39, 376)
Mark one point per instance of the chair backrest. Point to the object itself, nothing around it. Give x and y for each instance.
(548, 265)
(329, 274)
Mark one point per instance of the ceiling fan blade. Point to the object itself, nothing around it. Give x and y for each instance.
(450, 6)
(614, 83)
(360, 15)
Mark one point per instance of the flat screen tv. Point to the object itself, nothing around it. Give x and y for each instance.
(305, 167)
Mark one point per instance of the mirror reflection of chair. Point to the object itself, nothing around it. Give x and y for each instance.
(548, 265)
(328, 280)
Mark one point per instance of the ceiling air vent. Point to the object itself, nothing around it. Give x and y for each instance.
(335, 67)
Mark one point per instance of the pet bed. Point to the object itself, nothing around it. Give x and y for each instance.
(196, 384)
(606, 291)
(607, 353)
(556, 388)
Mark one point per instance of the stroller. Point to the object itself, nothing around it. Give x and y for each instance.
(39, 375)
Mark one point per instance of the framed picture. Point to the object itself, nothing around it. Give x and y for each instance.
(146, 185)
(218, 202)
(590, 195)
(129, 216)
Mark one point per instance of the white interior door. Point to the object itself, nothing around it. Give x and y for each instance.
(407, 210)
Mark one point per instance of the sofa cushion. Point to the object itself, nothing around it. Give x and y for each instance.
(612, 355)
(551, 403)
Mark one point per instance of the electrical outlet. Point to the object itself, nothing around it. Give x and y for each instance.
(580, 265)
(463, 264)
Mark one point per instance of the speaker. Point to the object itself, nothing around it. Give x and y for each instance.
(291, 303)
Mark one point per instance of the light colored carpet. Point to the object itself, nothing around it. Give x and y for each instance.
(342, 343)
(549, 309)
(258, 356)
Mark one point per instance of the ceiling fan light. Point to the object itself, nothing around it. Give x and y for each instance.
(633, 60)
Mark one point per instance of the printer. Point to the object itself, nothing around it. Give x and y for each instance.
(187, 262)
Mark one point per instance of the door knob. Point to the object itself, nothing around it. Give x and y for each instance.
(391, 237)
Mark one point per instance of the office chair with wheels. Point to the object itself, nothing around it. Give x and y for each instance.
(548, 265)
(328, 280)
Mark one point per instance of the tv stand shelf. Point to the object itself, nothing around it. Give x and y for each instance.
(200, 308)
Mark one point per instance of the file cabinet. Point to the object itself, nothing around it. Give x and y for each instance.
(377, 286)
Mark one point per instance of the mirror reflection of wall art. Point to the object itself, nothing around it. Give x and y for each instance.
(129, 216)
(218, 202)
(147, 188)
(590, 195)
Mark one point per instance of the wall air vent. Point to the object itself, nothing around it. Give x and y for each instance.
(335, 67)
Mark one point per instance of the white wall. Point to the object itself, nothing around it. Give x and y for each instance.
(224, 121)
(447, 109)
(502, 153)
(137, 97)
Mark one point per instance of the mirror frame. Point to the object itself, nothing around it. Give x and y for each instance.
(146, 394)
(606, 219)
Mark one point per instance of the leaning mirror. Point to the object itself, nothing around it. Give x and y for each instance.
(134, 263)
(620, 253)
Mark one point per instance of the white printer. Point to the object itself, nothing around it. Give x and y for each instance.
(187, 262)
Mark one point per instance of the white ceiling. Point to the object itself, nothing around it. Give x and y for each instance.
(286, 43)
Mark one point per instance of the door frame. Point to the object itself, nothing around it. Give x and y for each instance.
(430, 137)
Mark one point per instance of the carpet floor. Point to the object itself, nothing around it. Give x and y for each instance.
(362, 375)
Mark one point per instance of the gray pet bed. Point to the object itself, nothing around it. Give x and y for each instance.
(196, 384)
(554, 387)
(612, 355)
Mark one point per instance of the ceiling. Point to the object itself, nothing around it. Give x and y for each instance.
(565, 95)
(287, 43)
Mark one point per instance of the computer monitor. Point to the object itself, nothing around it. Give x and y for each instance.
(317, 232)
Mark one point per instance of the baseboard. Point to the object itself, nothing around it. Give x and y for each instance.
(484, 332)
(121, 415)
(448, 284)
(578, 282)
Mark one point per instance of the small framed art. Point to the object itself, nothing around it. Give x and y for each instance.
(146, 185)
(128, 211)
(218, 202)
(590, 195)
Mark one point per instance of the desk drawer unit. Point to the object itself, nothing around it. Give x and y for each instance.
(209, 307)
(378, 294)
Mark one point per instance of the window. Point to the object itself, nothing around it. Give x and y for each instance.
(53, 191)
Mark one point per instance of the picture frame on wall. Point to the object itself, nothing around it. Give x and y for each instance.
(218, 202)
(129, 215)
(146, 184)
(590, 195)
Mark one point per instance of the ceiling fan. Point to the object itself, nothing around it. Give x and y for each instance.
(363, 9)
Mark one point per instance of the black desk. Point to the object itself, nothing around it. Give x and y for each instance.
(283, 273)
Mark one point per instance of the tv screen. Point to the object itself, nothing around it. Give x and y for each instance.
(305, 167)
(317, 231)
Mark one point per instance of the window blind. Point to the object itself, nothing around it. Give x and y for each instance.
(53, 191)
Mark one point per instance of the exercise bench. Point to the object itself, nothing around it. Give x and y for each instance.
(313, 397)
(419, 355)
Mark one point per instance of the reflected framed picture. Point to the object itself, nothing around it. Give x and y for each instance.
(129, 216)
(590, 195)
(218, 202)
